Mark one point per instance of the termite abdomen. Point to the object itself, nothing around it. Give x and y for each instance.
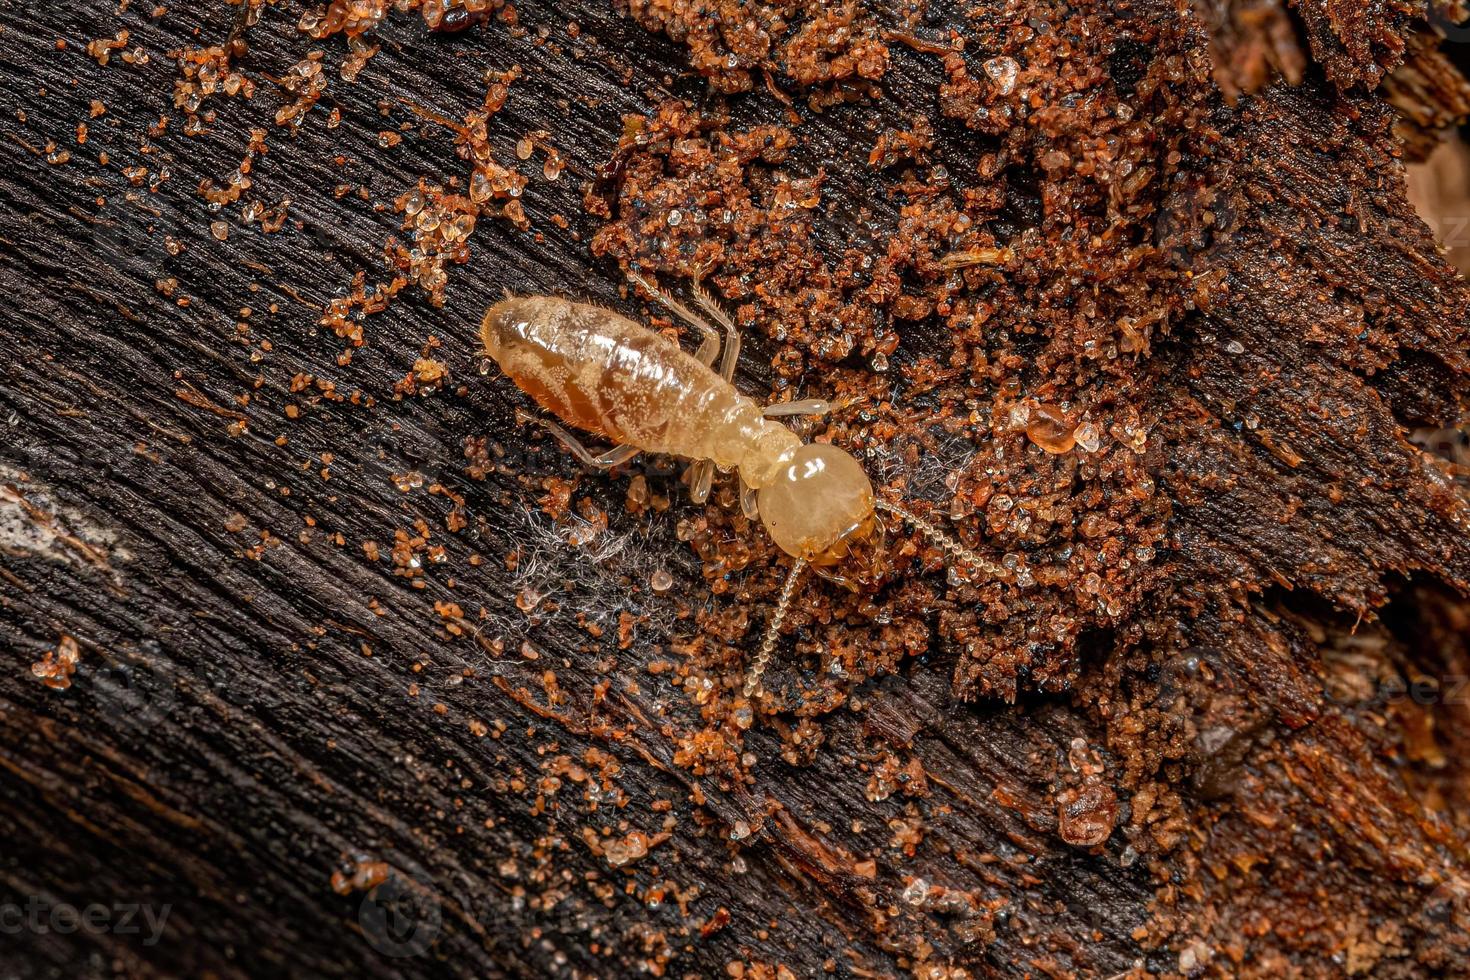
(603, 373)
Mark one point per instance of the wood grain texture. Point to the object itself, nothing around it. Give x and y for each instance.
(261, 703)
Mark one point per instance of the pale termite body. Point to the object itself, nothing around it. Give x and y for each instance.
(608, 375)
(605, 374)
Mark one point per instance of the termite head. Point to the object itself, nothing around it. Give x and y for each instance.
(819, 508)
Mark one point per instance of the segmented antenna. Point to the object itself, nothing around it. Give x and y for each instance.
(768, 645)
(949, 544)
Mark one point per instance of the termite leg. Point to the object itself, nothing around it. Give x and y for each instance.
(804, 406)
(732, 332)
(702, 473)
(701, 478)
(748, 505)
(709, 347)
(768, 643)
(615, 456)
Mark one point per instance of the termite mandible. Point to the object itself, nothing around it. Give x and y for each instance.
(607, 375)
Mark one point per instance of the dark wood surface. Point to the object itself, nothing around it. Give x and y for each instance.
(266, 695)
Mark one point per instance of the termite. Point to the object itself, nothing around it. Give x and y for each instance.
(607, 375)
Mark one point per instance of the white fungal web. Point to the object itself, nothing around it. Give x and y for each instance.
(589, 585)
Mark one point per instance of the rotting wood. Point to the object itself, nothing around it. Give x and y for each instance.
(352, 637)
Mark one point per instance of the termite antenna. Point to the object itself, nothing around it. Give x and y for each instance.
(949, 544)
(768, 645)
